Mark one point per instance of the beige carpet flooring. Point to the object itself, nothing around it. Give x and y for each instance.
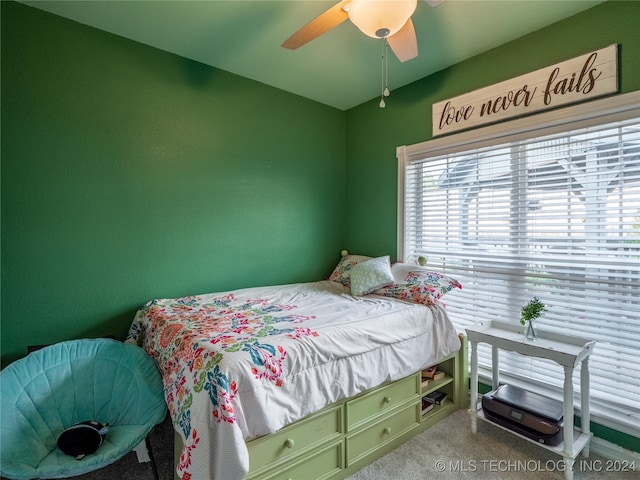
(447, 451)
(450, 451)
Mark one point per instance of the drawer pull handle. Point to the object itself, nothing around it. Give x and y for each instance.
(387, 430)
(387, 399)
(289, 443)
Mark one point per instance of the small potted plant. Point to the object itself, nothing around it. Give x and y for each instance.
(530, 311)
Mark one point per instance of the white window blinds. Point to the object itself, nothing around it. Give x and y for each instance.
(552, 212)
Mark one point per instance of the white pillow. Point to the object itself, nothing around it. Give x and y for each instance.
(371, 275)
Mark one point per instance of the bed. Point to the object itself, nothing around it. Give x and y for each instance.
(239, 366)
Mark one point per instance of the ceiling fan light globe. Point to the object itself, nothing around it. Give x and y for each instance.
(373, 16)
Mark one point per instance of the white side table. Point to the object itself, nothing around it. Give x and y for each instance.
(564, 350)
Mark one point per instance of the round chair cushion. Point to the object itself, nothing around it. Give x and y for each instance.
(67, 383)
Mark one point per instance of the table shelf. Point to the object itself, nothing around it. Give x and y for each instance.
(580, 439)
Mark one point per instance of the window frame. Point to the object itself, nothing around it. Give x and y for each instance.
(609, 109)
(597, 112)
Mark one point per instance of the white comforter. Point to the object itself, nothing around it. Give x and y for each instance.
(243, 364)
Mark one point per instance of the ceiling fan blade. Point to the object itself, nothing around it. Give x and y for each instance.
(319, 25)
(404, 43)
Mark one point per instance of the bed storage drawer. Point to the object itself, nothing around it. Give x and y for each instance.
(320, 464)
(371, 438)
(380, 401)
(298, 437)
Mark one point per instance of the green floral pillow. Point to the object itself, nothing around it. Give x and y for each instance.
(371, 275)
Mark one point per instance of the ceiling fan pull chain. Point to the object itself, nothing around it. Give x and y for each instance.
(386, 68)
(382, 79)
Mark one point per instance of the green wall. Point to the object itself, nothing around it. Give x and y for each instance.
(129, 173)
(374, 133)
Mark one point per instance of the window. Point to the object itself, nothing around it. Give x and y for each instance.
(549, 208)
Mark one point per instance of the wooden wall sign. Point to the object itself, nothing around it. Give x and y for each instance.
(586, 77)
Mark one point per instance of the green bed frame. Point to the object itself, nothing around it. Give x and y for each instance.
(344, 437)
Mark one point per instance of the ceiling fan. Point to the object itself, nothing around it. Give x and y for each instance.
(382, 19)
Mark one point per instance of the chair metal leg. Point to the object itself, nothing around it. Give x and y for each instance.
(153, 461)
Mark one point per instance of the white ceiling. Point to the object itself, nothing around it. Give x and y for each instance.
(342, 68)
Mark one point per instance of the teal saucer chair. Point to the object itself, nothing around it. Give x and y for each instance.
(70, 382)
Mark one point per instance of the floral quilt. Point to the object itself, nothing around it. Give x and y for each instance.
(242, 364)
